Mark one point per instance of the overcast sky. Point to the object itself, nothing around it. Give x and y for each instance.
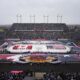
(68, 9)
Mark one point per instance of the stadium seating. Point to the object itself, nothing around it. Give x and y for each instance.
(37, 30)
(46, 76)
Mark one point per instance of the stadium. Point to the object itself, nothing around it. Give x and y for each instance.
(39, 39)
(39, 48)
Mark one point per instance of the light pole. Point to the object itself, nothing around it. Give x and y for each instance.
(30, 18)
(45, 17)
(59, 18)
(19, 18)
(33, 18)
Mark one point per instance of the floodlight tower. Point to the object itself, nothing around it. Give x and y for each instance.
(58, 17)
(34, 18)
(17, 17)
(61, 18)
(30, 18)
(43, 18)
(46, 17)
(20, 18)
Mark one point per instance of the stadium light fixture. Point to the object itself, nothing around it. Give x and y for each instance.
(59, 18)
(46, 17)
(19, 18)
(32, 17)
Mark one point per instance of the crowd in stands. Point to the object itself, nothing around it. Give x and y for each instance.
(46, 76)
(10, 76)
(62, 76)
(14, 75)
(38, 26)
(40, 31)
(37, 31)
(32, 31)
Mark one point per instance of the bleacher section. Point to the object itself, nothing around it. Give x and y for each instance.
(37, 30)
